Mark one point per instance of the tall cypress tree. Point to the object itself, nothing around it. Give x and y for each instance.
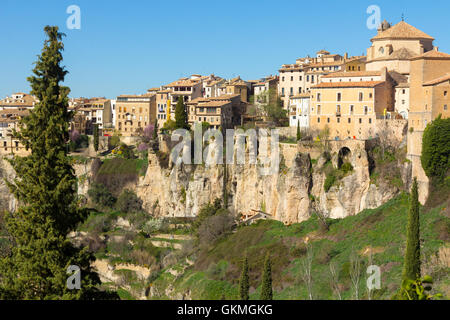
(244, 285)
(45, 187)
(180, 114)
(95, 137)
(411, 264)
(266, 287)
(299, 135)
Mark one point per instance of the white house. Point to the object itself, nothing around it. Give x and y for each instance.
(299, 110)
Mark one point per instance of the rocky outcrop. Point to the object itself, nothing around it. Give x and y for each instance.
(180, 191)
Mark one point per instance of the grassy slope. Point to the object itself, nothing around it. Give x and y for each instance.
(216, 271)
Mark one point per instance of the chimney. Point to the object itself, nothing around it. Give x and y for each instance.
(346, 56)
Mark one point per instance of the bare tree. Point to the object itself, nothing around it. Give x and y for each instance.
(306, 269)
(355, 273)
(321, 214)
(334, 280)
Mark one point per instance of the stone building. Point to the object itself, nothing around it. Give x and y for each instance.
(134, 113)
(430, 97)
(348, 103)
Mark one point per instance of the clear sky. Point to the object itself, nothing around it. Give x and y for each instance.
(130, 46)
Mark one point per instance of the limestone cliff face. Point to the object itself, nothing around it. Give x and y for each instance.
(180, 191)
(7, 200)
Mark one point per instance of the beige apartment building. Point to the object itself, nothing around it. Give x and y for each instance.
(430, 97)
(19, 101)
(134, 113)
(298, 78)
(348, 103)
(265, 90)
(9, 121)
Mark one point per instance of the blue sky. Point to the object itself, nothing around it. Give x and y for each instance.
(130, 46)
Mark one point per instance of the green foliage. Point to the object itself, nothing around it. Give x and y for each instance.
(45, 188)
(244, 285)
(347, 167)
(114, 142)
(125, 151)
(128, 202)
(96, 138)
(207, 211)
(417, 289)
(181, 115)
(266, 287)
(411, 265)
(329, 181)
(169, 125)
(299, 134)
(435, 156)
(101, 196)
(275, 112)
(155, 131)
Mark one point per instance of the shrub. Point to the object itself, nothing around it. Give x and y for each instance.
(154, 225)
(346, 167)
(436, 148)
(100, 195)
(329, 181)
(214, 227)
(129, 202)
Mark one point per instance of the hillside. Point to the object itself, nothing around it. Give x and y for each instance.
(166, 264)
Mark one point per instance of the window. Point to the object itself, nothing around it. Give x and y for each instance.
(403, 91)
(282, 78)
(292, 91)
(351, 109)
(318, 109)
(339, 96)
(360, 120)
(349, 120)
(370, 120)
(445, 107)
(318, 120)
(307, 78)
(318, 97)
(370, 95)
(282, 91)
(300, 78)
(299, 90)
(338, 109)
(292, 78)
(339, 120)
(328, 120)
(445, 93)
(365, 110)
(312, 79)
(361, 96)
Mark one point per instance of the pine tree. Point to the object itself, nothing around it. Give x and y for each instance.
(180, 114)
(45, 187)
(411, 264)
(299, 135)
(95, 137)
(266, 287)
(244, 285)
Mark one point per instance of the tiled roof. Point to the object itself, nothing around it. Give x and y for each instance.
(214, 103)
(356, 84)
(342, 74)
(438, 80)
(433, 54)
(402, 30)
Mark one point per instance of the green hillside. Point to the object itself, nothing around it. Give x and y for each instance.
(215, 273)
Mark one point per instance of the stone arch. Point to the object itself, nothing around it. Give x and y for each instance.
(344, 155)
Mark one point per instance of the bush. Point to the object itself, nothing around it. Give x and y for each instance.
(129, 202)
(346, 167)
(101, 196)
(78, 142)
(214, 227)
(154, 225)
(436, 148)
(329, 181)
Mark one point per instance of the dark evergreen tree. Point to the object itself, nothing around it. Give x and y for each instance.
(45, 187)
(180, 114)
(95, 137)
(299, 135)
(411, 264)
(244, 285)
(266, 287)
(155, 130)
